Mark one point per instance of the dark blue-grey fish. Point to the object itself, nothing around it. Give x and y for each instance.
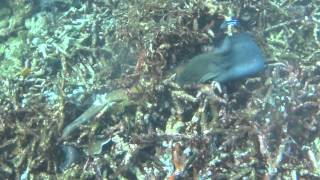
(238, 57)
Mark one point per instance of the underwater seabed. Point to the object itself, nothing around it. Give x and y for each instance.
(111, 89)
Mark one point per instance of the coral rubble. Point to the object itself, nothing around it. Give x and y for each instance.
(88, 91)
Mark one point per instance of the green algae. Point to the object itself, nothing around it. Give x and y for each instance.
(11, 52)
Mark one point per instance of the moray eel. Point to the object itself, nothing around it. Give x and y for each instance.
(238, 57)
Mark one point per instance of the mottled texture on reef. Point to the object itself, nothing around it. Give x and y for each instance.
(57, 57)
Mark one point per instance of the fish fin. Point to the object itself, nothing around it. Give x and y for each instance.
(208, 77)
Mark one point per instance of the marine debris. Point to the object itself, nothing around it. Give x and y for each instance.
(58, 58)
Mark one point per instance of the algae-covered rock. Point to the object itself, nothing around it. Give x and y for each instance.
(12, 53)
(5, 13)
(14, 50)
(4, 16)
(12, 16)
(37, 24)
(54, 5)
(120, 96)
(2, 50)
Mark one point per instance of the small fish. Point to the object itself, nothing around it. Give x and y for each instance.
(238, 57)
